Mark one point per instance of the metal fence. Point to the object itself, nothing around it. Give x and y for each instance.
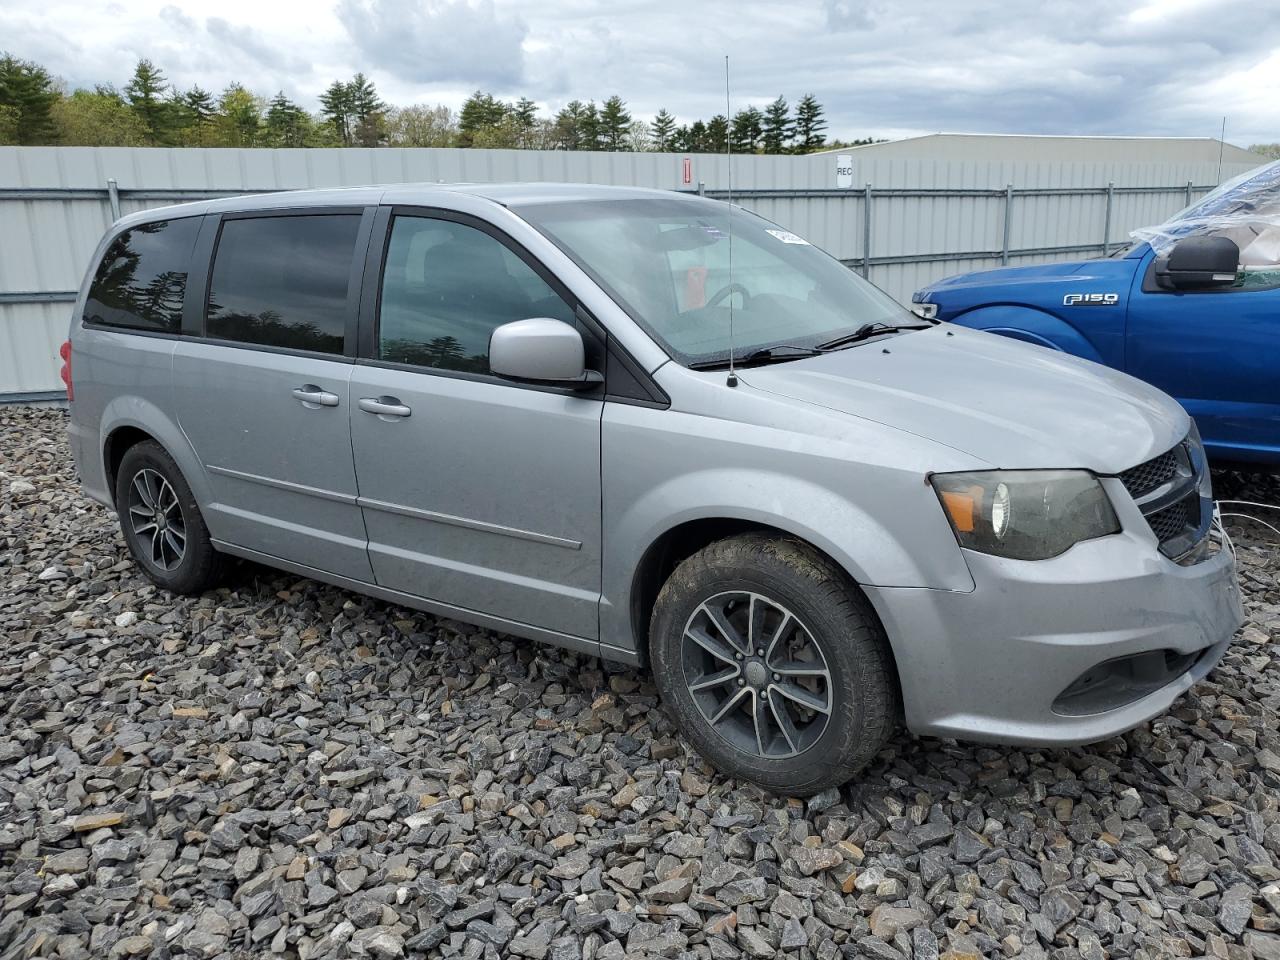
(905, 224)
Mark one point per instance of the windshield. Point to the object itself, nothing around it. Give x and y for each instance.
(666, 262)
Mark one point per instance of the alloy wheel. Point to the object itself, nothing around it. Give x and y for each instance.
(156, 519)
(757, 674)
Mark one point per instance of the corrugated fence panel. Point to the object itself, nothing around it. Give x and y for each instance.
(929, 218)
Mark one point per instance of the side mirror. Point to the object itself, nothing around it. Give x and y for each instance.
(1198, 262)
(541, 350)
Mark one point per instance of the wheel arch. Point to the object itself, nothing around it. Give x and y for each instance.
(1030, 325)
(130, 420)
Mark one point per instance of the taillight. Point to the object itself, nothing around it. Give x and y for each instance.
(65, 352)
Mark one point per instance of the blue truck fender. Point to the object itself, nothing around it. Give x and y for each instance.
(1031, 326)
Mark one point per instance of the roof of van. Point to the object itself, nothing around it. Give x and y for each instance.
(506, 194)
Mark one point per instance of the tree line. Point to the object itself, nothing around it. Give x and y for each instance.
(36, 108)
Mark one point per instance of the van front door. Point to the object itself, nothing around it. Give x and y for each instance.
(477, 493)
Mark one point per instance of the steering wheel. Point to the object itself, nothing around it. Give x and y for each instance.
(727, 291)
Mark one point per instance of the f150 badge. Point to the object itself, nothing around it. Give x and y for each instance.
(1091, 299)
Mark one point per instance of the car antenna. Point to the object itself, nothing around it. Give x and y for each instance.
(728, 152)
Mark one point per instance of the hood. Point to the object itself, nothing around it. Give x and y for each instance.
(1010, 404)
(1114, 273)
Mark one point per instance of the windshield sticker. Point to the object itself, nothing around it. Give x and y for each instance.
(786, 236)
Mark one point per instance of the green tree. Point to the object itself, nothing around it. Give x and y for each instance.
(145, 94)
(199, 111)
(337, 107)
(748, 127)
(589, 138)
(809, 124)
(568, 125)
(421, 126)
(97, 118)
(526, 111)
(287, 124)
(27, 96)
(717, 133)
(481, 112)
(368, 112)
(239, 117)
(615, 123)
(778, 127)
(1271, 150)
(662, 130)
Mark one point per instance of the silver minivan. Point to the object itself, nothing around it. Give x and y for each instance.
(660, 430)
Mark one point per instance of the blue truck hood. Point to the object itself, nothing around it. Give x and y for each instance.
(1031, 284)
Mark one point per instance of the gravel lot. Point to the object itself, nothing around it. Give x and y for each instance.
(284, 768)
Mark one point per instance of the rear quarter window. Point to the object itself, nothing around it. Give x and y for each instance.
(142, 277)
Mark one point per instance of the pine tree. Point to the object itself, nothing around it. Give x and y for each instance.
(286, 123)
(748, 125)
(526, 112)
(568, 125)
(697, 137)
(480, 113)
(200, 111)
(145, 95)
(27, 96)
(662, 131)
(589, 128)
(615, 122)
(367, 111)
(717, 133)
(337, 109)
(778, 128)
(809, 124)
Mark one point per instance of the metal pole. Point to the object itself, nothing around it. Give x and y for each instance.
(1189, 182)
(1106, 223)
(1008, 222)
(866, 231)
(702, 189)
(113, 198)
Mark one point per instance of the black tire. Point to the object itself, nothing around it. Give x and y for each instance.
(863, 694)
(199, 566)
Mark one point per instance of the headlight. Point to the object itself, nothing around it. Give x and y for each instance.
(1025, 514)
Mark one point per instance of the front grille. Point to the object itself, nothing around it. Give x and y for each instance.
(1173, 520)
(1167, 491)
(1145, 477)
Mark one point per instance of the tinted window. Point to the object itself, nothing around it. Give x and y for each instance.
(143, 277)
(282, 281)
(444, 289)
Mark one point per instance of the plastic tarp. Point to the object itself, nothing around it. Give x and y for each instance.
(1245, 210)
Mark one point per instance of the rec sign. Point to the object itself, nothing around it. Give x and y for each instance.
(844, 171)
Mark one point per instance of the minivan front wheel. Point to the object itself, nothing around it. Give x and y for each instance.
(773, 664)
(161, 522)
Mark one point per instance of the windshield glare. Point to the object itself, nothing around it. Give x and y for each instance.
(666, 262)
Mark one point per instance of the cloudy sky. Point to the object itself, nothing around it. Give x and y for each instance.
(881, 68)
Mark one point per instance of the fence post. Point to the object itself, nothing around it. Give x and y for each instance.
(1008, 222)
(866, 231)
(113, 198)
(1189, 183)
(1106, 223)
(702, 189)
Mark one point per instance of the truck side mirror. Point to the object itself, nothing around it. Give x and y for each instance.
(1198, 262)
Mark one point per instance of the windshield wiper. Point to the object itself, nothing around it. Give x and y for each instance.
(757, 357)
(869, 330)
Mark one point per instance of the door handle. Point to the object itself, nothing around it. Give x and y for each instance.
(384, 406)
(313, 397)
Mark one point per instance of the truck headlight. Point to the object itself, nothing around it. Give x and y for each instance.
(1025, 514)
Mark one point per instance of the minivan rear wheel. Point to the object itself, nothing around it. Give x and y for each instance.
(162, 524)
(773, 664)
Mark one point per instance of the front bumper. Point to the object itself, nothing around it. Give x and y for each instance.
(993, 664)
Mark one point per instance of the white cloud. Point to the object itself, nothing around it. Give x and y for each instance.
(1170, 67)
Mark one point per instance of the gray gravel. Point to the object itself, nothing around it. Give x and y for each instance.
(283, 768)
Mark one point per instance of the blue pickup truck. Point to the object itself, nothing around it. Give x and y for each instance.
(1191, 306)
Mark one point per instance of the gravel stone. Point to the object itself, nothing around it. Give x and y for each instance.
(282, 768)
